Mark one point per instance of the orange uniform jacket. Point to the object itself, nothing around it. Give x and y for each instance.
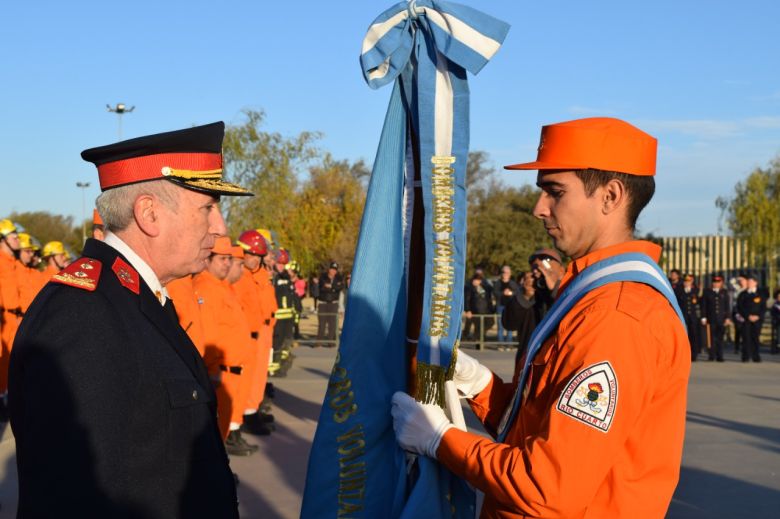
(267, 307)
(182, 292)
(31, 282)
(560, 462)
(224, 325)
(10, 280)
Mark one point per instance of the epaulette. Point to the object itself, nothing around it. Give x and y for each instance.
(83, 273)
(128, 277)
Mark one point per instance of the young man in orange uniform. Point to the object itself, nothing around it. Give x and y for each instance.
(182, 292)
(596, 428)
(54, 255)
(251, 295)
(226, 332)
(11, 308)
(31, 280)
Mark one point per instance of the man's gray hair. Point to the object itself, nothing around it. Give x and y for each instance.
(115, 205)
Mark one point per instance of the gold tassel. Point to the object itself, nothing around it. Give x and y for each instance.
(430, 380)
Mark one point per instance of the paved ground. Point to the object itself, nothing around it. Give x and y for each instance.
(731, 465)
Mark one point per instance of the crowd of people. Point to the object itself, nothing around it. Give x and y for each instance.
(717, 316)
(724, 314)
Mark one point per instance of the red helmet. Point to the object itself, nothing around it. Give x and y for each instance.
(282, 257)
(253, 242)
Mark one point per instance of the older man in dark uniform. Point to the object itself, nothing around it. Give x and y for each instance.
(111, 405)
(715, 316)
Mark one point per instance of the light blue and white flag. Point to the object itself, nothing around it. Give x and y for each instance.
(405, 302)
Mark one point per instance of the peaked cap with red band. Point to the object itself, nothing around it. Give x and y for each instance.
(602, 143)
(191, 158)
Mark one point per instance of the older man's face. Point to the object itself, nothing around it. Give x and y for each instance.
(188, 233)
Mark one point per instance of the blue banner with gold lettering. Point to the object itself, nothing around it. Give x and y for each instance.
(403, 313)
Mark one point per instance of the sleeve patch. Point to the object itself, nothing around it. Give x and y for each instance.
(591, 396)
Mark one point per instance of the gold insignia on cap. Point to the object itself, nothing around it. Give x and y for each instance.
(188, 174)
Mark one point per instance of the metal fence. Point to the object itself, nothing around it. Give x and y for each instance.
(486, 332)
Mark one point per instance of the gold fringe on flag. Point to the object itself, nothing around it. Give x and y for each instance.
(430, 380)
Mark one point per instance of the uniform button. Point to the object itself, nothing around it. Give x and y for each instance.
(194, 394)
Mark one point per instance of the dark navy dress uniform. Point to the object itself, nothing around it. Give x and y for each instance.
(111, 405)
(689, 304)
(715, 308)
(751, 303)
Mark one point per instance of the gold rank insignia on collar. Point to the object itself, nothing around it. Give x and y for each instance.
(83, 273)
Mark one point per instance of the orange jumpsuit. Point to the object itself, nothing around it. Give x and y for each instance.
(182, 292)
(227, 332)
(268, 307)
(10, 277)
(31, 282)
(560, 462)
(250, 297)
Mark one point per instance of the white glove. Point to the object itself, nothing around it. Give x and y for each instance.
(418, 427)
(470, 376)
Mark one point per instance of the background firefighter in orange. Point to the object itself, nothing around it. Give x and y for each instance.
(599, 428)
(226, 332)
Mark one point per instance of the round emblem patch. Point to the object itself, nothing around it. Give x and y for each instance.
(591, 396)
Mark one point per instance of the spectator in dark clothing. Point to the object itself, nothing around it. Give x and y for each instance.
(547, 269)
(675, 279)
(775, 312)
(327, 291)
(505, 289)
(751, 306)
(521, 314)
(715, 307)
(688, 299)
(478, 303)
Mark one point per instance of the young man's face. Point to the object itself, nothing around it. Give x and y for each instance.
(26, 256)
(570, 217)
(218, 265)
(236, 268)
(251, 261)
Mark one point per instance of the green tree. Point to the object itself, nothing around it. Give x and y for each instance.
(754, 215)
(312, 201)
(46, 227)
(268, 164)
(502, 228)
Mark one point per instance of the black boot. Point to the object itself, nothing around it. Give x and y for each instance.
(254, 424)
(236, 446)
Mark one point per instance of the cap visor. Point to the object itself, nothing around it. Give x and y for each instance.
(545, 165)
(211, 186)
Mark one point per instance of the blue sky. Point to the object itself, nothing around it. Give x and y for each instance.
(701, 76)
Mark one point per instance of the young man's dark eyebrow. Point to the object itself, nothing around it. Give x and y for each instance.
(548, 183)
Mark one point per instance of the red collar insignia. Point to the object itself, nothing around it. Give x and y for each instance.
(126, 275)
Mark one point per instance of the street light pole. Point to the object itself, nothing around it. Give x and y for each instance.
(120, 109)
(83, 186)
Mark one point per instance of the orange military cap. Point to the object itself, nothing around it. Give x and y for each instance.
(222, 245)
(96, 219)
(603, 143)
(236, 251)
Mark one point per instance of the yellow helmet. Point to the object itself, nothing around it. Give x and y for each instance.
(269, 237)
(6, 227)
(52, 248)
(28, 242)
